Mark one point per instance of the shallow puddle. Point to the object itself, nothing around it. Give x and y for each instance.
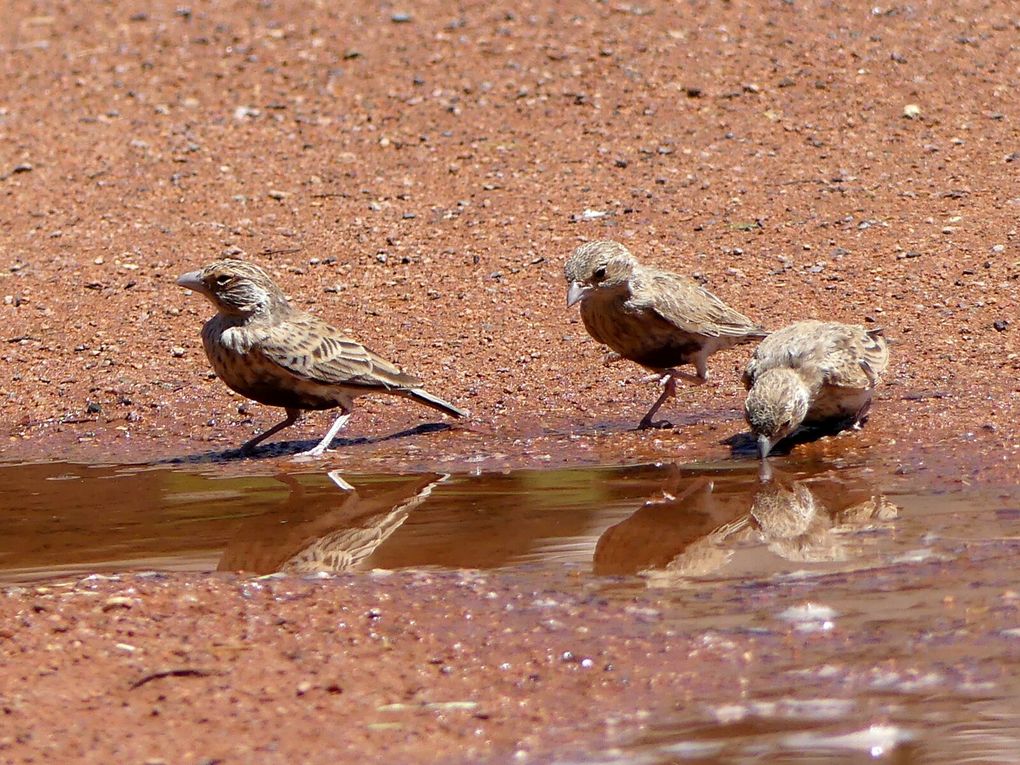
(818, 551)
(667, 525)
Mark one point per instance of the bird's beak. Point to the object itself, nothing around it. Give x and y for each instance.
(764, 446)
(575, 292)
(191, 281)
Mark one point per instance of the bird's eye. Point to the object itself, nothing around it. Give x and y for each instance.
(222, 279)
(600, 272)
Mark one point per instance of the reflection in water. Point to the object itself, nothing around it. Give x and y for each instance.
(704, 519)
(697, 529)
(299, 537)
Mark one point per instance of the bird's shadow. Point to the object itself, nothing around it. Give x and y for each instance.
(289, 448)
(745, 445)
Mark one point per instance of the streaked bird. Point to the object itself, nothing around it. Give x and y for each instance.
(812, 373)
(267, 350)
(658, 319)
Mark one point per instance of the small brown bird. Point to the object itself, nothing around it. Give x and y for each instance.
(656, 318)
(819, 373)
(267, 350)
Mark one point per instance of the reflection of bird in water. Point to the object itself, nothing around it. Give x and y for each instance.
(302, 537)
(797, 521)
(791, 523)
(344, 549)
(665, 527)
(708, 554)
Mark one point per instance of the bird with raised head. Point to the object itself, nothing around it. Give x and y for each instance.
(271, 352)
(659, 319)
(812, 373)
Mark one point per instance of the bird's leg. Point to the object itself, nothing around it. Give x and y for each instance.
(319, 448)
(692, 379)
(862, 416)
(292, 417)
(700, 377)
(668, 389)
(611, 357)
(335, 477)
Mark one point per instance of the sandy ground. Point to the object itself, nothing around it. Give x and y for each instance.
(417, 174)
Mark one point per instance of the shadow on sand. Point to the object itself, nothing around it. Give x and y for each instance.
(290, 448)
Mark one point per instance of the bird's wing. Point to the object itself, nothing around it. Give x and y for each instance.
(687, 305)
(857, 358)
(311, 349)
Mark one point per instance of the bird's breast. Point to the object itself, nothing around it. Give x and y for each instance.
(836, 403)
(638, 335)
(236, 359)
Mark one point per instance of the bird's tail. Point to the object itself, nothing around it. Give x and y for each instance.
(426, 398)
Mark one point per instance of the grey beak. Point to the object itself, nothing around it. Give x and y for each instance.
(191, 281)
(764, 446)
(575, 292)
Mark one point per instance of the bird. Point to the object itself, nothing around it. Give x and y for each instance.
(271, 352)
(812, 373)
(655, 318)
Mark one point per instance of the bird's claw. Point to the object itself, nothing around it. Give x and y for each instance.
(658, 424)
(311, 454)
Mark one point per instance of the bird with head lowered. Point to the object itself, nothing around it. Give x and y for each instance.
(819, 374)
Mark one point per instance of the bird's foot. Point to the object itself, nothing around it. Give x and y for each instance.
(649, 423)
(313, 453)
(858, 423)
(611, 358)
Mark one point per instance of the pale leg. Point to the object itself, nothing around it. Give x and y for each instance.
(335, 477)
(292, 417)
(318, 449)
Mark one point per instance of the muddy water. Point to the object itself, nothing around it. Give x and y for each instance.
(824, 551)
(664, 525)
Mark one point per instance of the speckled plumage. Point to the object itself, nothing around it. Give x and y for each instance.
(343, 549)
(812, 373)
(655, 318)
(267, 350)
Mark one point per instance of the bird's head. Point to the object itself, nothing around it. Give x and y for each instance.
(601, 265)
(775, 407)
(235, 287)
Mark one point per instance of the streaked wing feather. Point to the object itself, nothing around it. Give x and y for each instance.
(310, 348)
(848, 356)
(687, 305)
(858, 360)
